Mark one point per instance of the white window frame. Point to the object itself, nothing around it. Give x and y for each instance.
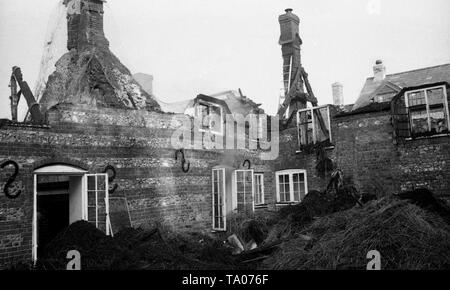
(107, 218)
(424, 90)
(314, 122)
(197, 115)
(251, 172)
(255, 178)
(290, 172)
(224, 205)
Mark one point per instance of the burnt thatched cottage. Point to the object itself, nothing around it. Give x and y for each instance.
(100, 147)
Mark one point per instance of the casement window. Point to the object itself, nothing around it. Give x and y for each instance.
(313, 125)
(219, 201)
(244, 189)
(428, 111)
(97, 201)
(259, 188)
(210, 117)
(292, 186)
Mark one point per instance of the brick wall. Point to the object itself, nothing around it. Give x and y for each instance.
(137, 144)
(365, 151)
(85, 27)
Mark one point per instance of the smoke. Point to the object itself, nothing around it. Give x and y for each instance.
(54, 48)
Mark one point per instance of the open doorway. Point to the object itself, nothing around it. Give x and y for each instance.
(52, 208)
(59, 204)
(64, 195)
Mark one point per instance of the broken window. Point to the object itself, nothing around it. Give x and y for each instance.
(259, 189)
(313, 126)
(210, 117)
(262, 131)
(291, 185)
(420, 113)
(218, 194)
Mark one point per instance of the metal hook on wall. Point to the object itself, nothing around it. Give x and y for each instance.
(111, 178)
(183, 161)
(16, 190)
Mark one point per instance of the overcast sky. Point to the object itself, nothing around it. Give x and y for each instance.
(208, 46)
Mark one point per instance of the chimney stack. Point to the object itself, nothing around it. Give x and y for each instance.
(338, 94)
(85, 24)
(291, 42)
(379, 71)
(290, 46)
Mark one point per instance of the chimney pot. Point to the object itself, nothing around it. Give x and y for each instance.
(338, 94)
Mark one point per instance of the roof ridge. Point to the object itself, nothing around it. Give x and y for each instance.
(419, 69)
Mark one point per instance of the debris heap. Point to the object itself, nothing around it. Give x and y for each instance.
(407, 236)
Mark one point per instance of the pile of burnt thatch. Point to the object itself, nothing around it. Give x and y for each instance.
(407, 233)
(410, 230)
(315, 204)
(98, 251)
(136, 249)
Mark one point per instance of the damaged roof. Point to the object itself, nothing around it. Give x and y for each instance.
(394, 83)
(231, 100)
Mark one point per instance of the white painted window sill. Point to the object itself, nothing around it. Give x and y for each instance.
(428, 137)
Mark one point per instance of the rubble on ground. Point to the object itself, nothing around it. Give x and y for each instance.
(407, 236)
(136, 249)
(411, 231)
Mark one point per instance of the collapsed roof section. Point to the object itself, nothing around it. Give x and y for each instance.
(233, 101)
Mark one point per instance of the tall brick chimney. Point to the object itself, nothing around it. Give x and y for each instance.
(90, 74)
(85, 24)
(290, 42)
(338, 94)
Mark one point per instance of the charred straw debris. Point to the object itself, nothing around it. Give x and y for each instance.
(411, 230)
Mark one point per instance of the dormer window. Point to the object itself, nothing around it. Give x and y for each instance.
(210, 117)
(314, 126)
(421, 113)
(384, 98)
(428, 111)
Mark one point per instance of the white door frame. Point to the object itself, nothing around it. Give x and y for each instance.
(59, 170)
